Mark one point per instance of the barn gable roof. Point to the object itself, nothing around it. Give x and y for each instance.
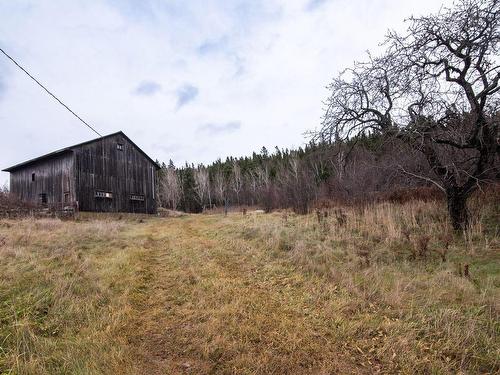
(70, 149)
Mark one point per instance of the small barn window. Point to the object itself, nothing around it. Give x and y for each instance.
(33, 177)
(103, 194)
(119, 147)
(43, 198)
(137, 197)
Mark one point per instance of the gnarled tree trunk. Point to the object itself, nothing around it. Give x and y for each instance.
(457, 208)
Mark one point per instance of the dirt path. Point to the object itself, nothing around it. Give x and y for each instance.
(208, 302)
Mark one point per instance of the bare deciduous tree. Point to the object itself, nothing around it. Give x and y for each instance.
(170, 188)
(237, 181)
(220, 185)
(202, 185)
(437, 89)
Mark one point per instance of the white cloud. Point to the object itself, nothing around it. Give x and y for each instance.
(261, 63)
(215, 129)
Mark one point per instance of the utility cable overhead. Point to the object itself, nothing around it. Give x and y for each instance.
(48, 92)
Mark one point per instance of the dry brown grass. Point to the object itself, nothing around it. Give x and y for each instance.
(254, 294)
(63, 296)
(388, 261)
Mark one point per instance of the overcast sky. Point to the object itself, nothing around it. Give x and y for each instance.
(186, 80)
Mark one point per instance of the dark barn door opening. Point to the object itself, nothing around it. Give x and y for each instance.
(103, 201)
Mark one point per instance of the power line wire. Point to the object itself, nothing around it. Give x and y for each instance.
(48, 92)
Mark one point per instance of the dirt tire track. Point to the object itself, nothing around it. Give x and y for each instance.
(174, 335)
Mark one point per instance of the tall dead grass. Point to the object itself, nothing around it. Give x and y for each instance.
(60, 310)
(401, 269)
(387, 288)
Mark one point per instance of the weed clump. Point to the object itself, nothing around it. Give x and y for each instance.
(286, 241)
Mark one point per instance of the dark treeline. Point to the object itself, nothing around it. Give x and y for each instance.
(363, 169)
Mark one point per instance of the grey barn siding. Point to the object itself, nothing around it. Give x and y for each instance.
(100, 166)
(53, 177)
(111, 165)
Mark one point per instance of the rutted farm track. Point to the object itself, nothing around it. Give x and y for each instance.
(209, 302)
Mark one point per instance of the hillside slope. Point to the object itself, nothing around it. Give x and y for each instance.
(360, 291)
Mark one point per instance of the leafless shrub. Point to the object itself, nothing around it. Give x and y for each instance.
(341, 217)
(403, 195)
(364, 251)
(318, 216)
(446, 240)
(421, 246)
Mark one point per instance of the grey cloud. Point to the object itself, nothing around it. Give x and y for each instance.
(212, 46)
(168, 148)
(186, 94)
(147, 88)
(214, 129)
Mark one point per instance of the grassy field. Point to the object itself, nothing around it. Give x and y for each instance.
(381, 289)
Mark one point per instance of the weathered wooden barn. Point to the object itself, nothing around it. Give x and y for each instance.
(107, 174)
